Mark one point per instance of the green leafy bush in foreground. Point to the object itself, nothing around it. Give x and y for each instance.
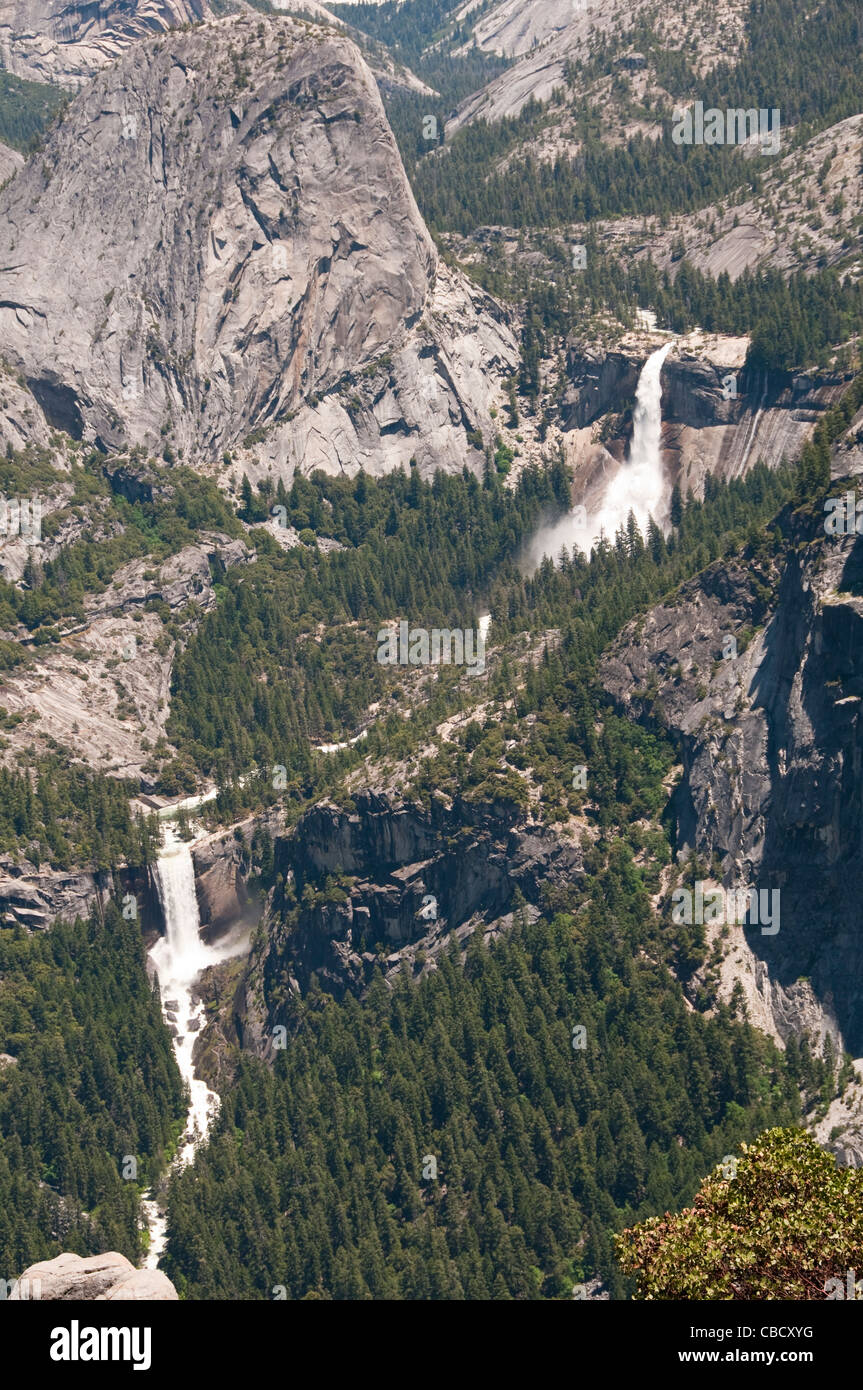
(789, 1220)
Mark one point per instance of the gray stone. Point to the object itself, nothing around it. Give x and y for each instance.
(52, 41)
(70, 1278)
(472, 858)
(770, 743)
(235, 255)
(10, 162)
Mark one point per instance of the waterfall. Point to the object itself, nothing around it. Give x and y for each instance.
(639, 485)
(178, 958)
(647, 420)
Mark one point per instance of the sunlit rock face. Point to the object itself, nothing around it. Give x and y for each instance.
(109, 1277)
(51, 41)
(756, 670)
(222, 250)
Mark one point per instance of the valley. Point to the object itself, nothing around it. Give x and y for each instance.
(427, 590)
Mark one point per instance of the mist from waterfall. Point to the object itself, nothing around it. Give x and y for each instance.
(638, 486)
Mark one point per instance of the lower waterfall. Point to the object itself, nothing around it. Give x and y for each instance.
(178, 958)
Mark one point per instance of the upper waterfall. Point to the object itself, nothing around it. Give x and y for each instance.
(638, 486)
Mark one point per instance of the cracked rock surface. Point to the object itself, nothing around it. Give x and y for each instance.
(219, 246)
(51, 41)
(770, 740)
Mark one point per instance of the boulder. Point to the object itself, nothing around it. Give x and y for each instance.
(73, 1278)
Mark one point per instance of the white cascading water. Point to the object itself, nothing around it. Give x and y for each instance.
(638, 486)
(178, 958)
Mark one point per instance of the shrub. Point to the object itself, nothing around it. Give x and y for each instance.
(789, 1220)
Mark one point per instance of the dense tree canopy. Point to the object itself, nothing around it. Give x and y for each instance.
(318, 1176)
(88, 1080)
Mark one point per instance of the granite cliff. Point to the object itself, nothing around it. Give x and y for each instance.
(218, 250)
(386, 885)
(755, 669)
(51, 41)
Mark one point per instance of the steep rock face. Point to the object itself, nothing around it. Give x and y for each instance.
(771, 744)
(718, 415)
(104, 690)
(410, 878)
(221, 873)
(109, 1277)
(232, 245)
(36, 898)
(599, 381)
(418, 401)
(22, 420)
(391, 76)
(514, 27)
(768, 420)
(546, 35)
(52, 41)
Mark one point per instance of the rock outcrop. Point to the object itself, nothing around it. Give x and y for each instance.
(756, 669)
(66, 44)
(722, 417)
(37, 897)
(514, 27)
(102, 1278)
(545, 36)
(103, 691)
(52, 41)
(600, 380)
(234, 257)
(10, 162)
(404, 881)
(221, 873)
